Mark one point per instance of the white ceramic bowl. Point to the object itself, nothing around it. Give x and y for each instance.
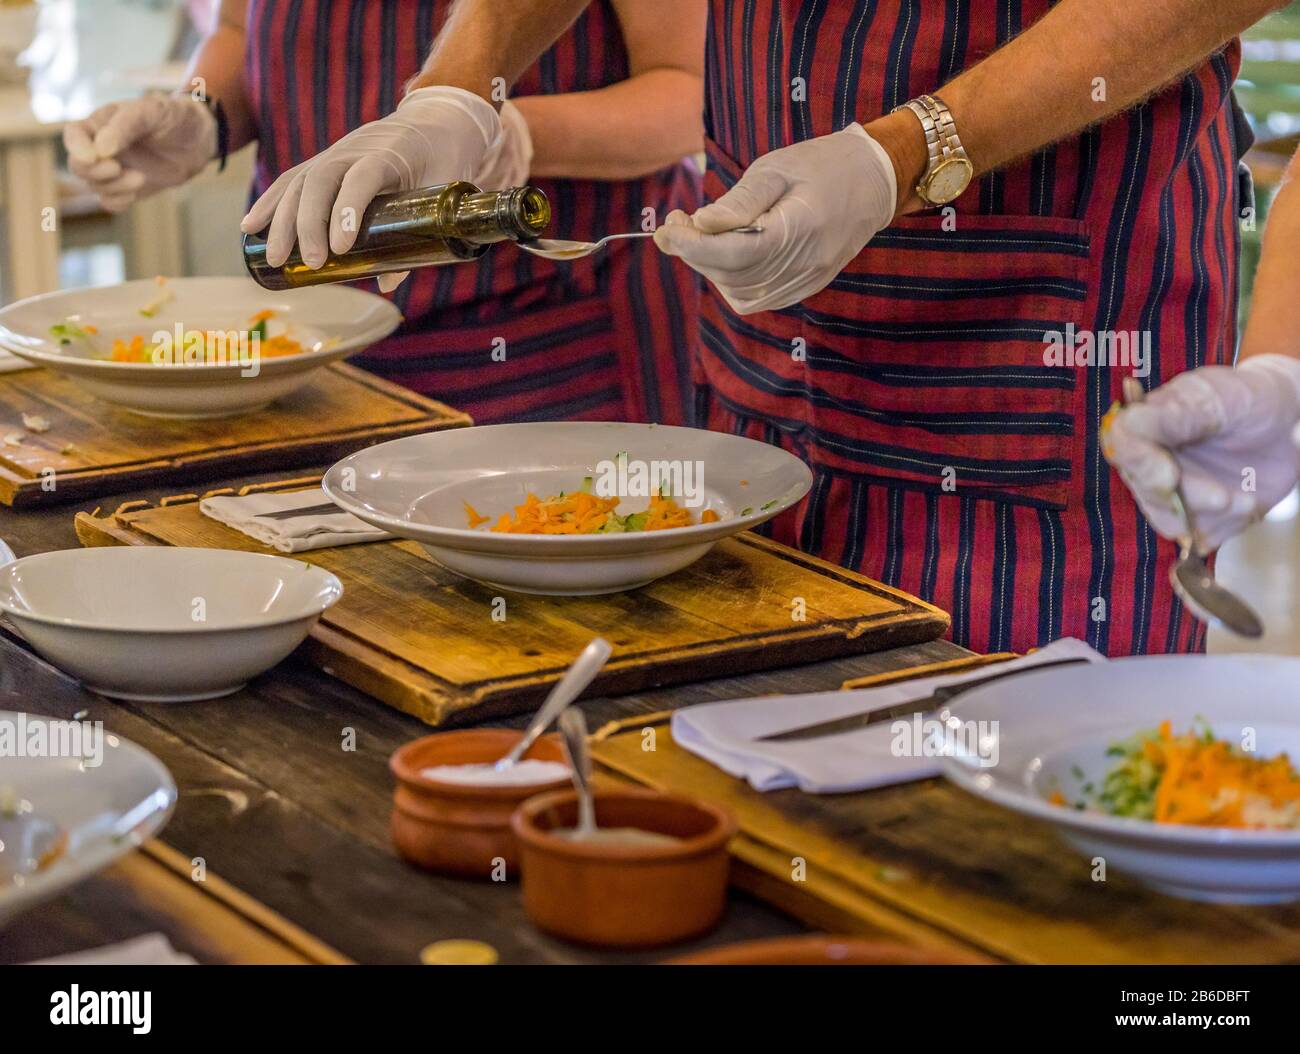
(330, 322)
(417, 488)
(164, 624)
(1052, 732)
(104, 810)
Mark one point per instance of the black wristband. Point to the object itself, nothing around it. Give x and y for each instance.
(223, 132)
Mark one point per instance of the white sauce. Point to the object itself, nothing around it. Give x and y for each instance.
(521, 774)
(618, 836)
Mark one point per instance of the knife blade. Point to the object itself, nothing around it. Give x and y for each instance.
(943, 694)
(293, 514)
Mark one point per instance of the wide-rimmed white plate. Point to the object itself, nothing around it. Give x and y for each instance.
(417, 488)
(329, 322)
(104, 810)
(1050, 730)
(164, 623)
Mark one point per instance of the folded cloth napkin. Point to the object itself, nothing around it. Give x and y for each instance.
(315, 531)
(153, 949)
(726, 734)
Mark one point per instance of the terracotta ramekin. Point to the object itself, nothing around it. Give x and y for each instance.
(624, 896)
(455, 829)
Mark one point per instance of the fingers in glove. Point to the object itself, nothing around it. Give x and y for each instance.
(320, 188)
(725, 253)
(1147, 465)
(389, 282)
(284, 224)
(127, 185)
(128, 125)
(760, 188)
(264, 208)
(102, 170)
(360, 185)
(79, 141)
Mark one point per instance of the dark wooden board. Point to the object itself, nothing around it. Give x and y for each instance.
(151, 891)
(930, 863)
(424, 639)
(273, 803)
(93, 448)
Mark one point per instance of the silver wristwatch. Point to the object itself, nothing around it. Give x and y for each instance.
(949, 170)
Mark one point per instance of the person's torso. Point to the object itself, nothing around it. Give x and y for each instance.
(316, 69)
(924, 372)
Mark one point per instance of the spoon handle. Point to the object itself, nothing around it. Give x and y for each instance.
(573, 727)
(568, 688)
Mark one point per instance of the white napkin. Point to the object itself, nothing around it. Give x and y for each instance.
(318, 531)
(726, 733)
(153, 949)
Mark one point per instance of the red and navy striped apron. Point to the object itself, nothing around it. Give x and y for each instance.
(950, 458)
(606, 338)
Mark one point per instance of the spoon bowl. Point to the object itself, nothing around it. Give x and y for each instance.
(564, 249)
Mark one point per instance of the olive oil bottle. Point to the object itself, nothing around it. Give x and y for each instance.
(417, 228)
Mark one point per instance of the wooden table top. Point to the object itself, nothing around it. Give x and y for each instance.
(293, 830)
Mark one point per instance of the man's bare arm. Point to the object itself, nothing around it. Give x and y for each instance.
(219, 63)
(1043, 86)
(484, 40)
(638, 125)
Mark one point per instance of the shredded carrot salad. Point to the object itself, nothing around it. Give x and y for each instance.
(210, 346)
(581, 512)
(1194, 778)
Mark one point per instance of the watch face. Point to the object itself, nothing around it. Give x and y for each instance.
(948, 180)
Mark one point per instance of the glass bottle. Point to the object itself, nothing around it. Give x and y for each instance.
(450, 223)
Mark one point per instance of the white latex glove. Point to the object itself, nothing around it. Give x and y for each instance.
(507, 163)
(435, 135)
(819, 202)
(1225, 433)
(129, 150)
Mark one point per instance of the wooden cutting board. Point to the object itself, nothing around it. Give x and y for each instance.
(930, 863)
(94, 448)
(451, 651)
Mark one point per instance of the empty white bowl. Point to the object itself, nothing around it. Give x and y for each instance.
(329, 322)
(164, 624)
(1049, 731)
(417, 488)
(98, 811)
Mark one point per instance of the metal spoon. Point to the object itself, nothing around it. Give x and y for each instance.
(568, 688)
(1191, 576)
(573, 727)
(563, 249)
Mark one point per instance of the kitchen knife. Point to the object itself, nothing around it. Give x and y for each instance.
(943, 694)
(293, 514)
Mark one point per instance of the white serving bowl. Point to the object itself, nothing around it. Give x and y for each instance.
(329, 322)
(103, 810)
(164, 624)
(416, 488)
(1052, 732)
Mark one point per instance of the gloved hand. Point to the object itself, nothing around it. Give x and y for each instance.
(819, 202)
(435, 135)
(128, 150)
(1225, 433)
(507, 163)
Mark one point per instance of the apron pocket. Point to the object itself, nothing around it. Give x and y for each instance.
(928, 357)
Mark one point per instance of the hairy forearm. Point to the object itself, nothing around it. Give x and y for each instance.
(1275, 309)
(487, 42)
(218, 65)
(658, 111)
(1083, 62)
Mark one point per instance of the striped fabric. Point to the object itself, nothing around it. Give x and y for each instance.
(607, 338)
(951, 458)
